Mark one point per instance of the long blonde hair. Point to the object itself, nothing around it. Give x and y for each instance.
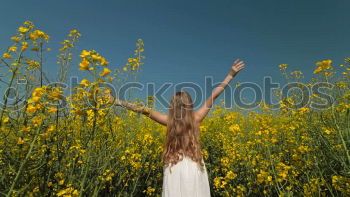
(182, 136)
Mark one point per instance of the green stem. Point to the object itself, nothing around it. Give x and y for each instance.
(6, 95)
(23, 163)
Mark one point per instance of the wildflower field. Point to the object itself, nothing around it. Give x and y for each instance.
(53, 144)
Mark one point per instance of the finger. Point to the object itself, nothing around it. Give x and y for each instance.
(237, 60)
(240, 67)
(240, 64)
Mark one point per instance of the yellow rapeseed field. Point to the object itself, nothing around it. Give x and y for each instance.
(80, 147)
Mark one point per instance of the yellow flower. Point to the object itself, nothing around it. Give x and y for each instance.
(323, 65)
(327, 64)
(38, 92)
(340, 84)
(6, 119)
(6, 55)
(38, 34)
(150, 190)
(317, 70)
(95, 57)
(103, 62)
(303, 110)
(283, 66)
(202, 128)
(75, 192)
(269, 178)
(73, 32)
(231, 175)
(33, 36)
(84, 82)
(23, 29)
(44, 135)
(105, 72)
(61, 182)
(33, 64)
(84, 53)
(328, 131)
(62, 192)
(217, 182)
(225, 161)
(20, 140)
(52, 109)
(24, 46)
(59, 175)
(84, 65)
(35, 49)
(234, 128)
(56, 95)
(51, 128)
(15, 38)
(13, 49)
(36, 121)
(29, 23)
(31, 108)
(34, 99)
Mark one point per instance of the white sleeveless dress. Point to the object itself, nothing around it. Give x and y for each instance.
(185, 180)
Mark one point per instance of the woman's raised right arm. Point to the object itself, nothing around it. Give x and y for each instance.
(153, 114)
(202, 112)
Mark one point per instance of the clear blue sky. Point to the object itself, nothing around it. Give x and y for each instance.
(188, 40)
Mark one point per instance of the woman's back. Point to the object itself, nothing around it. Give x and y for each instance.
(185, 179)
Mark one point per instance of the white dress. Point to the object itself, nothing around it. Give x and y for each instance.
(185, 180)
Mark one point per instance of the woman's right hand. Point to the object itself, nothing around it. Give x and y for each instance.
(237, 66)
(111, 99)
